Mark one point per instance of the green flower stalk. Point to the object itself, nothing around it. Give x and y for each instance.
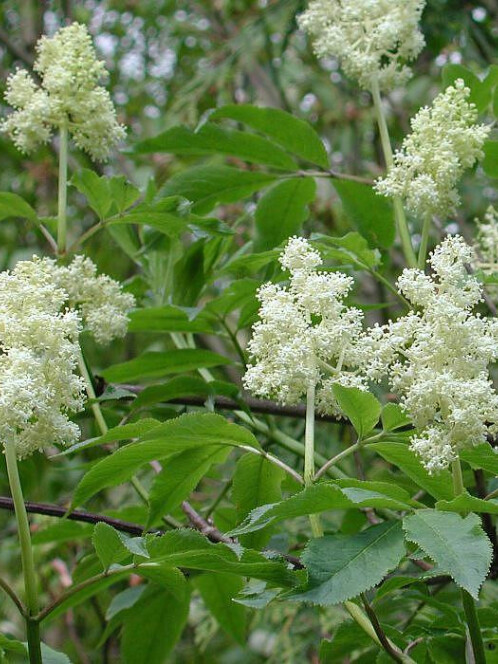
(69, 100)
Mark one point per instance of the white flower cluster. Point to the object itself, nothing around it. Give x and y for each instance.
(445, 140)
(42, 305)
(371, 38)
(486, 247)
(305, 333)
(100, 300)
(38, 357)
(69, 96)
(437, 359)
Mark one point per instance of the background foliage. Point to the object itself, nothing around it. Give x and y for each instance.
(252, 180)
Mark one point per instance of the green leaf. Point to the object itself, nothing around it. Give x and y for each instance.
(12, 645)
(341, 567)
(333, 495)
(361, 408)
(351, 249)
(238, 294)
(293, 134)
(245, 265)
(51, 656)
(122, 192)
(282, 210)
(490, 161)
(123, 601)
(152, 629)
(457, 545)
(483, 456)
(212, 139)
(184, 386)
(438, 485)
(217, 591)
(169, 319)
(348, 639)
(156, 364)
(480, 92)
(96, 190)
(256, 482)
(105, 194)
(119, 433)
(192, 550)
(371, 214)
(206, 186)
(396, 583)
(112, 546)
(180, 475)
(467, 503)
(394, 417)
(115, 575)
(184, 432)
(12, 205)
(166, 222)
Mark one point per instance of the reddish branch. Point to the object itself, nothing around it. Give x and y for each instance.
(77, 515)
(263, 406)
(195, 519)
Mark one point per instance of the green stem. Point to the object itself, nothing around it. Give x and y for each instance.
(279, 437)
(468, 602)
(390, 287)
(399, 212)
(74, 590)
(10, 592)
(391, 648)
(422, 253)
(309, 455)
(62, 206)
(456, 471)
(469, 607)
(95, 406)
(28, 567)
(331, 462)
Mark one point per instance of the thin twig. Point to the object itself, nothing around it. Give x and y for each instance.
(387, 644)
(224, 403)
(78, 515)
(196, 520)
(204, 526)
(11, 593)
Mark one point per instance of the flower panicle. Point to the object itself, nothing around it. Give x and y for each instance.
(43, 309)
(69, 96)
(372, 39)
(445, 141)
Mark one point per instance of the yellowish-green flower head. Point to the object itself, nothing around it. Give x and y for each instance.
(437, 358)
(445, 140)
(372, 39)
(69, 95)
(43, 309)
(305, 333)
